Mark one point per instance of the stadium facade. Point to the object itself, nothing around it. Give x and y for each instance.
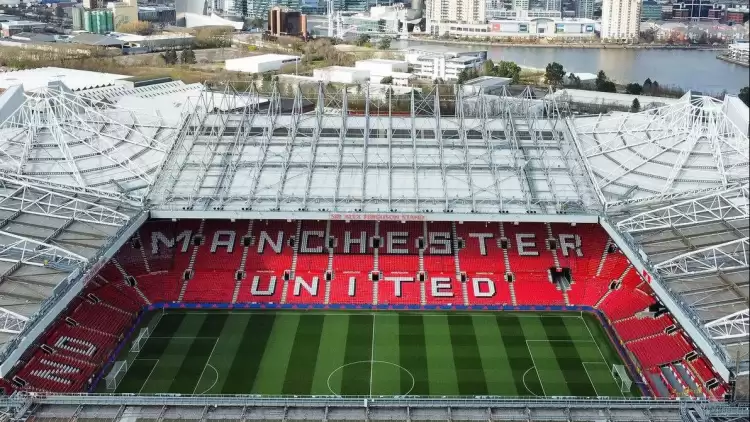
(668, 187)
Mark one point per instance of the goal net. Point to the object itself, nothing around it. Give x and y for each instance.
(112, 380)
(140, 340)
(620, 374)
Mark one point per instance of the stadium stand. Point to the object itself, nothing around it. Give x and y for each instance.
(418, 263)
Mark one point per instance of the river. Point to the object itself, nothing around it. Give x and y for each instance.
(697, 70)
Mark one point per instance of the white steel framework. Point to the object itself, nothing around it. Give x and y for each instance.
(732, 326)
(725, 205)
(23, 250)
(107, 152)
(318, 148)
(662, 153)
(725, 257)
(11, 322)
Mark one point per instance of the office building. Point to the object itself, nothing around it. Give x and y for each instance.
(282, 21)
(445, 66)
(621, 20)
(585, 9)
(123, 13)
(651, 11)
(553, 5)
(737, 15)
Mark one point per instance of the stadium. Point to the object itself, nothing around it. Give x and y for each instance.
(191, 252)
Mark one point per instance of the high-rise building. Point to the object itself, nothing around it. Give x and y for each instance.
(585, 9)
(621, 20)
(440, 12)
(553, 4)
(520, 5)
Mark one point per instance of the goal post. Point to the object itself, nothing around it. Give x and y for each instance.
(620, 374)
(140, 340)
(112, 380)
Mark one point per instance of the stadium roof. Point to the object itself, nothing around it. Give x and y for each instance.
(76, 169)
(680, 149)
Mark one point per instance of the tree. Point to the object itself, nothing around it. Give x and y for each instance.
(608, 86)
(488, 68)
(387, 80)
(745, 95)
(633, 89)
(169, 56)
(187, 56)
(257, 23)
(509, 70)
(635, 107)
(362, 40)
(575, 81)
(647, 85)
(554, 73)
(385, 43)
(601, 79)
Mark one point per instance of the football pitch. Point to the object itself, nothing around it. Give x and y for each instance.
(373, 353)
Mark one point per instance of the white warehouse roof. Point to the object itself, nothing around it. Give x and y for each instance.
(263, 58)
(35, 79)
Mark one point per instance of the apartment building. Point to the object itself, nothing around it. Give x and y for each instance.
(442, 12)
(621, 20)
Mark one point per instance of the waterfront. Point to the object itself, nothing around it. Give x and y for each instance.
(698, 70)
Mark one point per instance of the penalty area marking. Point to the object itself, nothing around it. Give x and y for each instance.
(149, 374)
(216, 379)
(371, 362)
(591, 380)
(216, 342)
(523, 378)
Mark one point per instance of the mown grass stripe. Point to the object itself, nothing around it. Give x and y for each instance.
(198, 354)
(440, 366)
(568, 359)
(524, 376)
(355, 377)
(466, 357)
(304, 356)
(158, 339)
(497, 370)
(412, 356)
(246, 362)
(134, 378)
(214, 377)
(273, 365)
(327, 378)
(168, 367)
(386, 374)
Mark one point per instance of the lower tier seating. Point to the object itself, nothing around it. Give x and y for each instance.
(155, 271)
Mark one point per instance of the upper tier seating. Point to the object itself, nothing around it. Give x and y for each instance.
(481, 252)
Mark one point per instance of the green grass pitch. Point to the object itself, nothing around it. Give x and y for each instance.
(383, 353)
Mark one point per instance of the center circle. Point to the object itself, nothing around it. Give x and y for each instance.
(375, 363)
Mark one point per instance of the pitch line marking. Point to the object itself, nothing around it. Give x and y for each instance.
(216, 379)
(372, 352)
(413, 380)
(149, 374)
(538, 375)
(207, 365)
(523, 378)
(589, 375)
(423, 312)
(606, 362)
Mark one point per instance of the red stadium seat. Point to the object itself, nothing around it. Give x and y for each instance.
(228, 266)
